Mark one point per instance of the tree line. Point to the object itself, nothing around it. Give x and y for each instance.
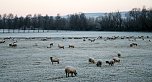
(135, 20)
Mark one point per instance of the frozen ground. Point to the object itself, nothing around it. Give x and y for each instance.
(29, 63)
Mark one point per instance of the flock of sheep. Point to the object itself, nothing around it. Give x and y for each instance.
(71, 70)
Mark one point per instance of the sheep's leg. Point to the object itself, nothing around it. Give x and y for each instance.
(72, 74)
(58, 62)
(68, 74)
(111, 64)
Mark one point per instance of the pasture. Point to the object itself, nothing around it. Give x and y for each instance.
(28, 62)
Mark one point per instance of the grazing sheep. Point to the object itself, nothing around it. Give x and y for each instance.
(12, 45)
(92, 40)
(110, 62)
(60, 46)
(44, 39)
(3, 41)
(91, 60)
(99, 63)
(51, 44)
(54, 60)
(71, 46)
(133, 44)
(70, 70)
(119, 55)
(116, 59)
(35, 44)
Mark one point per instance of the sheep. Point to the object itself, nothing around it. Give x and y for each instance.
(54, 60)
(12, 45)
(133, 44)
(71, 46)
(92, 40)
(51, 44)
(119, 55)
(60, 46)
(116, 59)
(44, 39)
(91, 60)
(99, 63)
(70, 70)
(3, 41)
(110, 62)
(35, 44)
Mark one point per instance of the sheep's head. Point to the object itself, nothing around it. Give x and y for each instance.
(51, 58)
(75, 73)
(119, 54)
(107, 62)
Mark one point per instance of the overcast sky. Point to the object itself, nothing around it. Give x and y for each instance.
(64, 7)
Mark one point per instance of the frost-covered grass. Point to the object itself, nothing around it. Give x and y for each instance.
(29, 63)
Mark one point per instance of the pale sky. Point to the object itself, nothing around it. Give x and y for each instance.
(64, 7)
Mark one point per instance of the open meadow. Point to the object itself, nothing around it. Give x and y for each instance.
(29, 61)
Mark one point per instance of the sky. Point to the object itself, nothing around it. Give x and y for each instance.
(64, 7)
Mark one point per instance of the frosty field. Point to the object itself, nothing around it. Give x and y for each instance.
(30, 63)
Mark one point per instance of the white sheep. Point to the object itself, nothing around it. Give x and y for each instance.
(133, 44)
(60, 46)
(70, 70)
(13, 45)
(3, 41)
(51, 44)
(116, 59)
(54, 60)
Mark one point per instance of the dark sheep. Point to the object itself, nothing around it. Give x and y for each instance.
(51, 44)
(71, 46)
(119, 55)
(70, 70)
(110, 62)
(99, 63)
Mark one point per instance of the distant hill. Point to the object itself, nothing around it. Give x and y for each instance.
(123, 14)
(95, 15)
